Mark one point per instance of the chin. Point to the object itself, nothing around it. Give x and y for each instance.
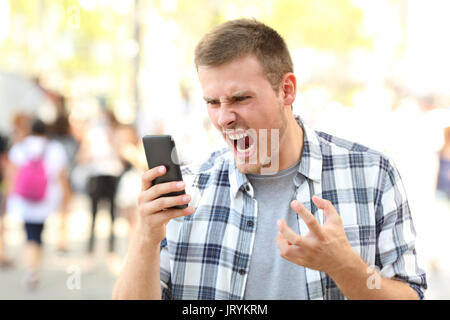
(268, 168)
(246, 165)
(248, 168)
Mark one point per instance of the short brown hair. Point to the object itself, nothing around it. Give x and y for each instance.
(236, 38)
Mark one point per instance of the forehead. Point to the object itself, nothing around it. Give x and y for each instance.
(244, 73)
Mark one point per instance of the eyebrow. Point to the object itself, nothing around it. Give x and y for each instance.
(209, 99)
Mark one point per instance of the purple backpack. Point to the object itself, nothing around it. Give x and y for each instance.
(31, 180)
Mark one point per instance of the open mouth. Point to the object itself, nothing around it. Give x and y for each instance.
(243, 143)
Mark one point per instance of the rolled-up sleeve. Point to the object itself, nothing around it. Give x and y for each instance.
(165, 271)
(396, 254)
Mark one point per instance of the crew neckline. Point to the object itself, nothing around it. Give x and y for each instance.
(279, 174)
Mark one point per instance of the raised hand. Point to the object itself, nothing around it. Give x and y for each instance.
(324, 248)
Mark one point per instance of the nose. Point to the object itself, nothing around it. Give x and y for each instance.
(226, 118)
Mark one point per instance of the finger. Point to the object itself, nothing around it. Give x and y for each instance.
(287, 251)
(150, 175)
(282, 243)
(288, 233)
(282, 238)
(163, 203)
(310, 220)
(325, 205)
(165, 216)
(158, 190)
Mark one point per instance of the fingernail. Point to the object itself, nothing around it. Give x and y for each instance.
(161, 169)
(180, 184)
(186, 198)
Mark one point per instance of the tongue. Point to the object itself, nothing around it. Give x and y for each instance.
(243, 143)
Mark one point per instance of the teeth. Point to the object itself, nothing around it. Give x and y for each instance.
(236, 135)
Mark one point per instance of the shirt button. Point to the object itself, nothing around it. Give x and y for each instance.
(250, 223)
(242, 272)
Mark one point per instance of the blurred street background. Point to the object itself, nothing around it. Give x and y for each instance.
(102, 73)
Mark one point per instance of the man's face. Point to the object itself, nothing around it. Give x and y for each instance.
(243, 106)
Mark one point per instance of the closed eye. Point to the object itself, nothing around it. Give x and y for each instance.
(234, 99)
(240, 98)
(212, 102)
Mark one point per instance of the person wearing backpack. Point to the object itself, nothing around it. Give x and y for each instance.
(39, 168)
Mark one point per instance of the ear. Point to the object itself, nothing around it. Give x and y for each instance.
(288, 88)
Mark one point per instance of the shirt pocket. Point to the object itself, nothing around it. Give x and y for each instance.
(362, 239)
(353, 234)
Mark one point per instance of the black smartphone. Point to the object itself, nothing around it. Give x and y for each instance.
(160, 150)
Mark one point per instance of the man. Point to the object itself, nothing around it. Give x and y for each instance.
(285, 213)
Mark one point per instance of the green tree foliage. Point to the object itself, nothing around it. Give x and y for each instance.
(328, 25)
(321, 24)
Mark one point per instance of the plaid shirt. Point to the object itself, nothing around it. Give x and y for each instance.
(206, 255)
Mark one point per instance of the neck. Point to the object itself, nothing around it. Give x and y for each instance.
(291, 144)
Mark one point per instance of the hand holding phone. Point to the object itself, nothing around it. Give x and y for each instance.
(160, 150)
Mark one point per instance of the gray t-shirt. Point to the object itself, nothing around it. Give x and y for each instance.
(270, 276)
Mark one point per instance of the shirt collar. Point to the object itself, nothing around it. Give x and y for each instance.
(237, 179)
(311, 161)
(310, 165)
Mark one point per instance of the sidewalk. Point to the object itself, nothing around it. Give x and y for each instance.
(72, 275)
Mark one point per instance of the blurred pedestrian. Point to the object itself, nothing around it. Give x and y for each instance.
(21, 126)
(21, 129)
(4, 262)
(437, 237)
(97, 151)
(38, 168)
(443, 182)
(61, 132)
(132, 155)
